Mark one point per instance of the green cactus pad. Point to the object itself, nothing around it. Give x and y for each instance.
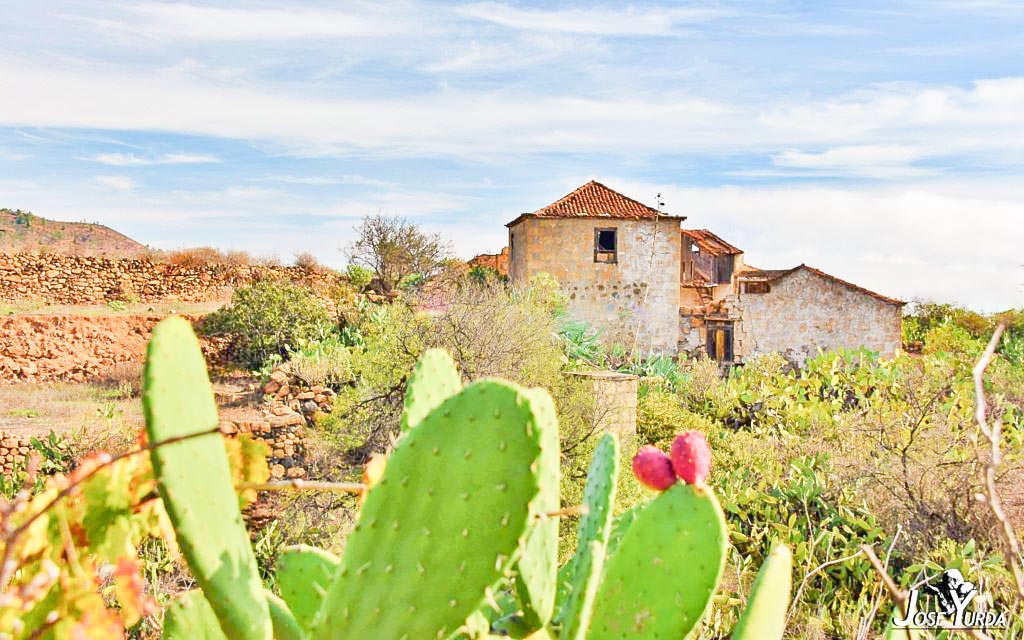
(195, 481)
(589, 568)
(537, 580)
(190, 617)
(443, 524)
(433, 380)
(620, 526)
(765, 615)
(286, 627)
(592, 532)
(660, 581)
(304, 574)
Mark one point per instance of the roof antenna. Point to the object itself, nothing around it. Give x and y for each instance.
(659, 201)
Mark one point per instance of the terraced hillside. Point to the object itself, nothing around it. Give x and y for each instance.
(25, 231)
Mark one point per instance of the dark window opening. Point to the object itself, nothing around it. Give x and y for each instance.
(723, 269)
(605, 245)
(756, 287)
(719, 341)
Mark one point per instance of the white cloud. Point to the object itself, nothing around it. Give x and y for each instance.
(592, 20)
(951, 241)
(176, 21)
(985, 118)
(870, 160)
(122, 183)
(319, 181)
(132, 160)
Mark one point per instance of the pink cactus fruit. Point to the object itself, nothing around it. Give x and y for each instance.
(691, 457)
(653, 468)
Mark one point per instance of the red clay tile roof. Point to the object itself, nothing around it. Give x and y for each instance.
(776, 274)
(710, 243)
(594, 200)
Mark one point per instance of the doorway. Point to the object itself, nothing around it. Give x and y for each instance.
(719, 341)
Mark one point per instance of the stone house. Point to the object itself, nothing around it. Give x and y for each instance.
(649, 285)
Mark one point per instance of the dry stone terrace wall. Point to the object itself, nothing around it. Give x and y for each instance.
(62, 279)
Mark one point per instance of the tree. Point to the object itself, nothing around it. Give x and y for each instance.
(395, 248)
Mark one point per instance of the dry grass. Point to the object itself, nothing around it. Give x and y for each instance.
(40, 308)
(94, 415)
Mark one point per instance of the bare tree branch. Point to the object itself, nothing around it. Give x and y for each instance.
(993, 434)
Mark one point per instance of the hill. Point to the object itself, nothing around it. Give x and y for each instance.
(24, 231)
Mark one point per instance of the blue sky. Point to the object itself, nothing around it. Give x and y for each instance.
(880, 141)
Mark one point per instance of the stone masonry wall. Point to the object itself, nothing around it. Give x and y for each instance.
(637, 295)
(804, 312)
(62, 279)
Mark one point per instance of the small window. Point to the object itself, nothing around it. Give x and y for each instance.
(756, 287)
(606, 245)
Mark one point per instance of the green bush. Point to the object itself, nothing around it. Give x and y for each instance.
(358, 276)
(326, 362)
(266, 318)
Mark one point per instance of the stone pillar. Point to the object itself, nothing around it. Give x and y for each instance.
(615, 402)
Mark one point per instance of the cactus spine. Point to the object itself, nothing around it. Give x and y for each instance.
(178, 401)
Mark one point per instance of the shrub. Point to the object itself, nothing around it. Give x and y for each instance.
(307, 262)
(267, 317)
(358, 276)
(325, 362)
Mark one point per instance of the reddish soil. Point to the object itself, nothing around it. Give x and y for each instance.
(70, 348)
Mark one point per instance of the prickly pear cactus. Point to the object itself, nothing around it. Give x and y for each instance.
(764, 617)
(195, 481)
(538, 563)
(443, 523)
(662, 578)
(433, 380)
(304, 574)
(584, 570)
(286, 627)
(190, 617)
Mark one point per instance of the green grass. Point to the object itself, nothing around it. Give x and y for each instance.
(24, 413)
(115, 308)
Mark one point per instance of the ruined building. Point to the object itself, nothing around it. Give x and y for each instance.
(633, 273)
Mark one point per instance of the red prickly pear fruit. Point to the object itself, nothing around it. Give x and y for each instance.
(691, 457)
(653, 468)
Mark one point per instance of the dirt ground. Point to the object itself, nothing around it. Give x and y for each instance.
(101, 410)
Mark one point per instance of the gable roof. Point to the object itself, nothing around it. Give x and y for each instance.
(710, 243)
(594, 200)
(778, 274)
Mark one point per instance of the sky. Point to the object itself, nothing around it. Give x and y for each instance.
(882, 142)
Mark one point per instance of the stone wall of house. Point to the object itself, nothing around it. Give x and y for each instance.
(635, 298)
(804, 312)
(63, 279)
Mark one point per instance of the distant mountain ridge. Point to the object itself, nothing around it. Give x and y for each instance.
(23, 231)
